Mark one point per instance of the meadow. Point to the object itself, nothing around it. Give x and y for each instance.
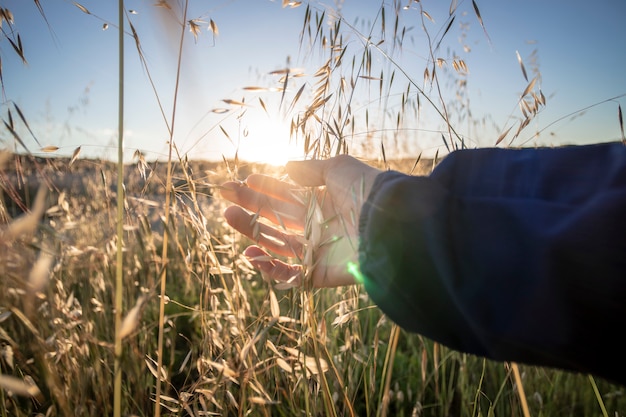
(141, 304)
(233, 345)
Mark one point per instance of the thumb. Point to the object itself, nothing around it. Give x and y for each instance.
(310, 173)
(317, 172)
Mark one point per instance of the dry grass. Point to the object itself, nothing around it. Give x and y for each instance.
(231, 343)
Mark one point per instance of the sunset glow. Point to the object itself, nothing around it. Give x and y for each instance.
(267, 141)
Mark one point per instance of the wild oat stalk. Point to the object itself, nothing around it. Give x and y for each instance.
(520, 389)
(388, 371)
(168, 192)
(119, 272)
(592, 381)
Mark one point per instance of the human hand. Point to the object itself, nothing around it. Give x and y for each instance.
(314, 221)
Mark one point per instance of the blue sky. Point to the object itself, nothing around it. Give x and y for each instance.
(68, 90)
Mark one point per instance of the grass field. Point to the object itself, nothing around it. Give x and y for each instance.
(232, 344)
(142, 304)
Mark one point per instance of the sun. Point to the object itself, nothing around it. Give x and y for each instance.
(267, 141)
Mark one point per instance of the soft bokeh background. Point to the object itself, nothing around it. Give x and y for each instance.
(68, 89)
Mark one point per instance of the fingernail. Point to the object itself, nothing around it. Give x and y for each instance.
(229, 188)
(264, 263)
(231, 185)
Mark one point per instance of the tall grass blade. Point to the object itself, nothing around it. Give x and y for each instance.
(503, 135)
(168, 193)
(444, 32)
(18, 48)
(598, 396)
(453, 5)
(119, 271)
(520, 389)
(388, 370)
(480, 19)
(19, 113)
(15, 135)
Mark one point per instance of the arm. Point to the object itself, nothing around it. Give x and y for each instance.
(514, 255)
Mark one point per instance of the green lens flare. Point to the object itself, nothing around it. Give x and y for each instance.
(353, 269)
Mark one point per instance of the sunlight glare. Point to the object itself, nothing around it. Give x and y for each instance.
(268, 142)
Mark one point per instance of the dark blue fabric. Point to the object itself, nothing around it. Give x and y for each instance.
(514, 255)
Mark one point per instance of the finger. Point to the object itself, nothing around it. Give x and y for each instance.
(273, 268)
(341, 169)
(347, 179)
(309, 173)
(272, 187)
(276, 241)
(287, 192)
(285, 214)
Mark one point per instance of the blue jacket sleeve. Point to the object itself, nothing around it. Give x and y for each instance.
(514, 255)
